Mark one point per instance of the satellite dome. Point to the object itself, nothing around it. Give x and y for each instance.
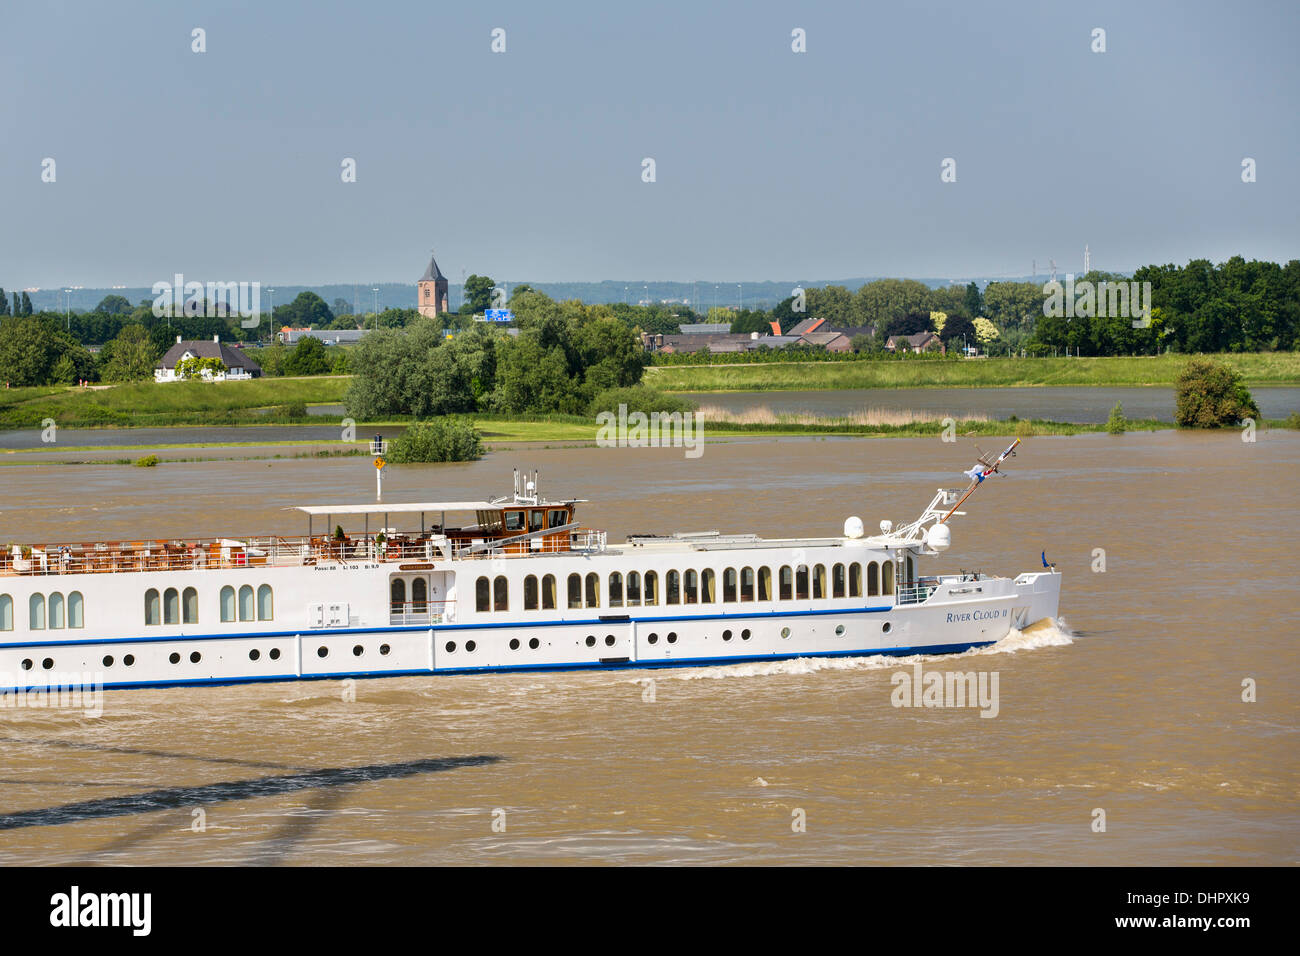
(853, 527)
(939, 537)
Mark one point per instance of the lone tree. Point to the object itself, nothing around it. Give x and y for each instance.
(1210, 394)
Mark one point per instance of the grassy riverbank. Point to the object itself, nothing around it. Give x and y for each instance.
(1258, 368)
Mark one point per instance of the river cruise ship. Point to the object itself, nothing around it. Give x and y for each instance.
(510, 583)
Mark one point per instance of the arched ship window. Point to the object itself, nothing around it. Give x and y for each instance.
(189, 606)
(615, 589)
(152, 607)
(171, 606)
(397, 595)
(819, 582)
(227, 603)
(873, 580)
(765, 584)
(246, 609)
(593, 590)
(729, 586)
(633, 589)
(786, 580)
(708, 587)
(76, 610)
(56, 610)
(530, 593)
(911, 570)
(500, 593)
(837, 581)
(548, 593)
(482, 595)
(575, 590)
(651, 588)
(746, 584)
(265, 603)
(887, 577)
(691, 587)
(7, 612)
(801, 582)
(420, 596)
(673, 587)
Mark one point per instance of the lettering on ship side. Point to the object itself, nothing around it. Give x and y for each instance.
(958, 617)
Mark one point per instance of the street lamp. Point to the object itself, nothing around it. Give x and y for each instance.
(270, 323)
(740, 290)
(375, 290)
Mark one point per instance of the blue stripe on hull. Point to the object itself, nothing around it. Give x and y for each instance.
(518, 668)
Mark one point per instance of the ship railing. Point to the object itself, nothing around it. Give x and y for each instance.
(915, 593)
(421, 612)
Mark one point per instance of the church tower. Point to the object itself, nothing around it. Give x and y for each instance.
(432, 295)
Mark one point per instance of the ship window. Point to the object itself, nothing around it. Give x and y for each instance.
(691, 587)
(7, 612)
(575, 590)
(633, 589)
(536, 519)
(615, 589)
(765, 584)
(246, 608)
(171, 606)
(56, 610)
(397, 595)
(708, 586)
(482, 595)
(593, 590)
(189, 607)
(548, 593)
(500, 593)
(514, 521)
(729, 585)
(557, 519)
(530, 593)
(801, 582)
(227, 604)
(673, 585)
(746, 584)
(887, 577)
(787, 582)
(911, 570)
(651, 588)
(265, 603)
(819, 582)
(152, 608)
(419, 596)
(837, 581)
(873, 580)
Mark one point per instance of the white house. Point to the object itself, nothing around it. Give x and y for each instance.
(239, 367)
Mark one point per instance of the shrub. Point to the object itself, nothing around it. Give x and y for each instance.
(1210, 395)
(442, 439)
(148, 461)
(1117, 423)
(638, 398)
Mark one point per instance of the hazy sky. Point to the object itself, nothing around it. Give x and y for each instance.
(527, 164)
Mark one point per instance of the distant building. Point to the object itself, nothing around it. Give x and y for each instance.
(239, 367)
(291, 336)
(806, 326)
(830, 341)
(707, 328)
(431, 297)
(918, 343)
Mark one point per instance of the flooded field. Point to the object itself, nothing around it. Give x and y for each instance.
(1178, 552)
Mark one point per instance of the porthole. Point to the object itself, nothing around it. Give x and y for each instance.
(358, 651)
(128, 660)
(322, 651)
(108, 660)
(839, 630)
(174, 657)
(609, 640)
(652, 639)
(27, 663)
(470, 646)
(254, 654)
(514, 643)
(450, 647)
(744, 635)
(726, 635)
(785, 632)
(591, 640)
(195, 657)
(384, 649)
(274, 654)
(534, 643)
(885, 627)
(672, 637)
(48, 663)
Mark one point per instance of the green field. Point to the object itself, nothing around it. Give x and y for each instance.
(1258, 368)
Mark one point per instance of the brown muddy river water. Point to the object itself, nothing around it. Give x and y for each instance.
(1133, 708)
